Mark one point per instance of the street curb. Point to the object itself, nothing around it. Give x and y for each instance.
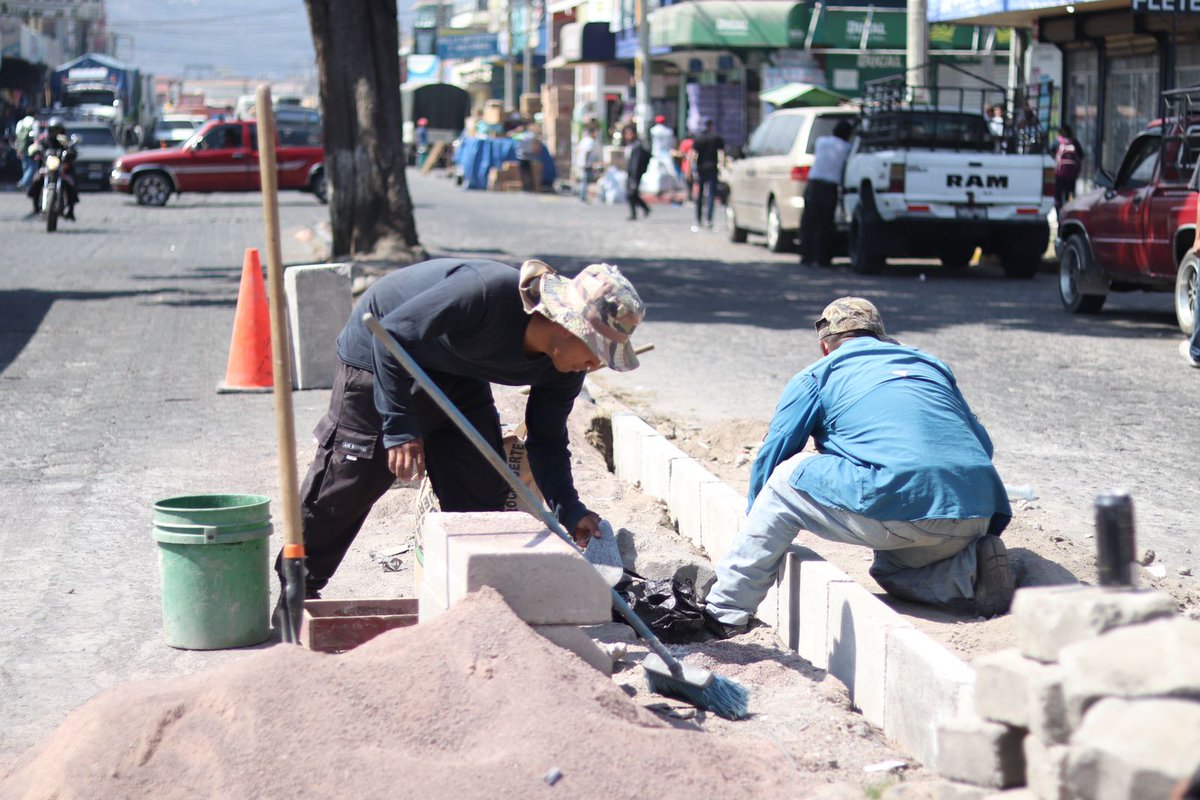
(901, 680)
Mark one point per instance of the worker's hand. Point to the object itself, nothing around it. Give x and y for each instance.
(587, 528)
(407, 461)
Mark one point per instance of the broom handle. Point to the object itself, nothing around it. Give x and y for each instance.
(526, 496)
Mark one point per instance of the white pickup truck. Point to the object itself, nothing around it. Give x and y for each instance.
(927, 183)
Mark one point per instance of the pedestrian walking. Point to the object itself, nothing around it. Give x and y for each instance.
(529, 150)
(637, 161)
(707, 150)
(468, 324)
(26, 134)
(422, 133)
(903, 467)
(817, 227)
(1068, 163)
(587, 157)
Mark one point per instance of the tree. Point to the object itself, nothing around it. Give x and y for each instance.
(358, 63)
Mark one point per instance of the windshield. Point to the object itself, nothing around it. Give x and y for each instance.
(91, 97)
(177, 125)
(102, 137)
(947, 129)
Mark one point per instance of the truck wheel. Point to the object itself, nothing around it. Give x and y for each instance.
(1076, 261)
(777, 240)
(319, 187)
(736, 235)
(956, 256)
(152, 189)
(866, 241)
(1185, 292)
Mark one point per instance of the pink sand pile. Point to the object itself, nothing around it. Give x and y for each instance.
(472, 705)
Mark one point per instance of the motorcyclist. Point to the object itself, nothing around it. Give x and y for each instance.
(55, 136)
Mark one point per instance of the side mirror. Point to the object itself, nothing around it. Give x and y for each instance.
(75, 140)
(1105, 179)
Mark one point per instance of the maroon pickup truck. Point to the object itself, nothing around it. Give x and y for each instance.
(220, 157)
(1138, 230)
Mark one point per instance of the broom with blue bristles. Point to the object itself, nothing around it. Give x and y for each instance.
(665, 674)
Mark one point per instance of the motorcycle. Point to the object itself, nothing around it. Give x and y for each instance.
(52, 202)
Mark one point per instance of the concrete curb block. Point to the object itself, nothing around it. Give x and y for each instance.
(902, 680)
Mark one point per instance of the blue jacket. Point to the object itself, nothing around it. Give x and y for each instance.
(896, 438)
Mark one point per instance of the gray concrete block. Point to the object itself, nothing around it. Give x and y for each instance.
(658, 454)
(1157, 659)
(927, 685)
(1048, 618)
(683, 501)
(857, 629)
(576, 641)
(722, 512)
(1134, 749)
(318, 304)
(806, 619)
(1046, 769)
(610, 632)
(1048, 719)
(935, 790)
(981, 753)
(1003, 685)
(628, 432)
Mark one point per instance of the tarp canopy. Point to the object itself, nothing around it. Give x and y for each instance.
(801, 94)
(476, 156)
(729, 25)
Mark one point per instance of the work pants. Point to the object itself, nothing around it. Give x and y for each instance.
(706, 194)
(350, 471)
(634, 196)
(926, 561)
(817, 229)
(1064, 191)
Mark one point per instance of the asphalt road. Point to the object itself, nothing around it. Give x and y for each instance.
(114, 333)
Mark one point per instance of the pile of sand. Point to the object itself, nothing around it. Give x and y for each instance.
(474, 704)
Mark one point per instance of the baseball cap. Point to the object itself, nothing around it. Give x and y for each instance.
(850, 314)
(599, 305)
(660, 118)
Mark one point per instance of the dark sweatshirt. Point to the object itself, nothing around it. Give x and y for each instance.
(465, 318)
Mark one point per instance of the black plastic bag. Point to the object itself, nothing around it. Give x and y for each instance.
(668, 607)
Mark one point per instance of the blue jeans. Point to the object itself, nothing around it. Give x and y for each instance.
(1194, 343)
(926, 561)
(706, 193)
(29, 169)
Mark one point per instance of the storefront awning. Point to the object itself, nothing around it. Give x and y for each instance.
(584, 43)
(729, 25)
(801, 94)
(1014, 13)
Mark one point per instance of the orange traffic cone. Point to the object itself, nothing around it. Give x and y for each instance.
(249, 368)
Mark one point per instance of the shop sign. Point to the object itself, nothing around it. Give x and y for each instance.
(464, 46)
(1166, 6)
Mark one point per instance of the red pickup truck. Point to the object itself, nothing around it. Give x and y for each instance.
(1138, 230)
(220, 157)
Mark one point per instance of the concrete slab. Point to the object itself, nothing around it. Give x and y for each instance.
(1046, 769)
(856, 629)
(439, 527)
(926, 686)
(628, 432)
(318, 304)
(806, 618)
(658, 454)
(1002, 686)
(722, 511)
(981, 753)
(683, 496)
(1048, 618)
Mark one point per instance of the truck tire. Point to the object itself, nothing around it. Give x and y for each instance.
(777, 240)
(956, 256)
(1076, 261)
(152, 189)
(52, 204)
(736, 235)
(319, 186)
(866, 240)
(1185, 292)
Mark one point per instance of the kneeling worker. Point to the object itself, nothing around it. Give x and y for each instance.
(468, 324)
(904, 468)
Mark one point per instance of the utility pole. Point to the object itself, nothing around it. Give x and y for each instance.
(642, 69)
(918, 46)
(527, 54)
(508, 57)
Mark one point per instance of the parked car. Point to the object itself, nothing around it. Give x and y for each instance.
(767, 183)
(1136, 232)
(172, 130)
(97, 149)
(220, 157)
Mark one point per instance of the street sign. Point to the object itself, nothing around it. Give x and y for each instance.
(1166, 6)
(464, 46)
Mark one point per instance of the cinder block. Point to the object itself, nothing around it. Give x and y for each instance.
(807, 620)
(1133, 750)
(319, 302)
(722, 512)
(1046, 769)
(981, 753)
(683, 499)
(857, 628)
(926, 686)
(571, 638)
(1003, 684)
(1048, 618)
(1047, 709)
(628, 432)
(658, 454)
(545, 580)
(1157, 659)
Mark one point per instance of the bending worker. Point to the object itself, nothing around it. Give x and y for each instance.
(904, 468)
(468, 324)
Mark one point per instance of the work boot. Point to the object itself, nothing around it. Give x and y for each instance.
(722, 630)
(994, 582)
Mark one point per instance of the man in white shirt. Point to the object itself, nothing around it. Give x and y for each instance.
(662, 144)
(820, 198)
(586, 157)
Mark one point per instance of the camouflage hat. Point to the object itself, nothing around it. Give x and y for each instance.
(850, 314)
(598, 305)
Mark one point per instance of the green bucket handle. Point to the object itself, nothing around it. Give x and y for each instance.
(209, 534)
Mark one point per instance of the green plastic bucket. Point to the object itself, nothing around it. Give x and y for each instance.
(212, 557)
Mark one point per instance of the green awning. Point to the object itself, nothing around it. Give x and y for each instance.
(801, 94)
(729, 25)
